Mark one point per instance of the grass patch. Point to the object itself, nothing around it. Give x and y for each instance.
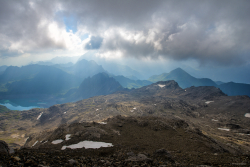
(3, 109)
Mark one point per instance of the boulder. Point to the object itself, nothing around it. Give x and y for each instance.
(4, 148)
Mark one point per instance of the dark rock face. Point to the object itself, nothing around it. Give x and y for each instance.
(4, 148)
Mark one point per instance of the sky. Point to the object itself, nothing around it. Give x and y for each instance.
(208, 38)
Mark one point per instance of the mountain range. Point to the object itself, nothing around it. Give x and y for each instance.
(63, 80)
(185, 80)
(37, 79)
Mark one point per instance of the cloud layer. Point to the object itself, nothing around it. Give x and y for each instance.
(208, 31)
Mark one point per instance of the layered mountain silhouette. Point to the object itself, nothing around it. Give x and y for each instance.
(37, 79)
(234, 89)
(130, 83)
(114, 68)
(183, 79)
(84, 68)
(99, 84)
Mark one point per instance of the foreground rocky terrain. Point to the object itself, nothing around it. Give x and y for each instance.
(159, 124)
(144, 141)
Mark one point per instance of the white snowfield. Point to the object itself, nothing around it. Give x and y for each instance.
(161, 85)
(87, 145)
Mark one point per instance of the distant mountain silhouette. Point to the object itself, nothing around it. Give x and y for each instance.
(114, 68)
(219, 82)
(83, 68)
(37, 79)
(129, 83)
(234, 89)
(3, 68)
(183, 79)
(99, 84)
(58, 60)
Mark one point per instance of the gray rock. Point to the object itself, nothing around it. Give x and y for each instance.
(4, 148)
(163, 152)
(139, 157)
(73, 162)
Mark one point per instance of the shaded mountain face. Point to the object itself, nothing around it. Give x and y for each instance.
(13, 73)
(219, 82)
(183, 79)
(37, 79)
(99, 84)
(234, 89)
(3, 68)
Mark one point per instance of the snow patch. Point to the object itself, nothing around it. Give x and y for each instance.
(39, 115)
(134, 108)
(215, 120)
(102, 123)
(131, 110)
(67, 136)
(57, 141)
(161, 85)
(26, 139)
(207, 102)
(96, 109)
(88, 144)
(64, 112)
(34, 144)
(224, 129)
(247, 115)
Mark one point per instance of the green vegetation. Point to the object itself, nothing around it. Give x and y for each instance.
(3, 109)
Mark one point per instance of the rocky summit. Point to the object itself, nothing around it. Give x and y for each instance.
(157, 125)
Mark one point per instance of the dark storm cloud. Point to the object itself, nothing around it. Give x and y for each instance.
(94, 43)
(208, 31)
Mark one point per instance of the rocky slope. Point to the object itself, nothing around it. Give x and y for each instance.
(201, 125)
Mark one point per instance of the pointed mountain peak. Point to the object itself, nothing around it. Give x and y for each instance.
(178, 71)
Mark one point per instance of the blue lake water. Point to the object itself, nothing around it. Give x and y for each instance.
(22, 104)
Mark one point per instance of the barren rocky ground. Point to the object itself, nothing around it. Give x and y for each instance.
(193, 126)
